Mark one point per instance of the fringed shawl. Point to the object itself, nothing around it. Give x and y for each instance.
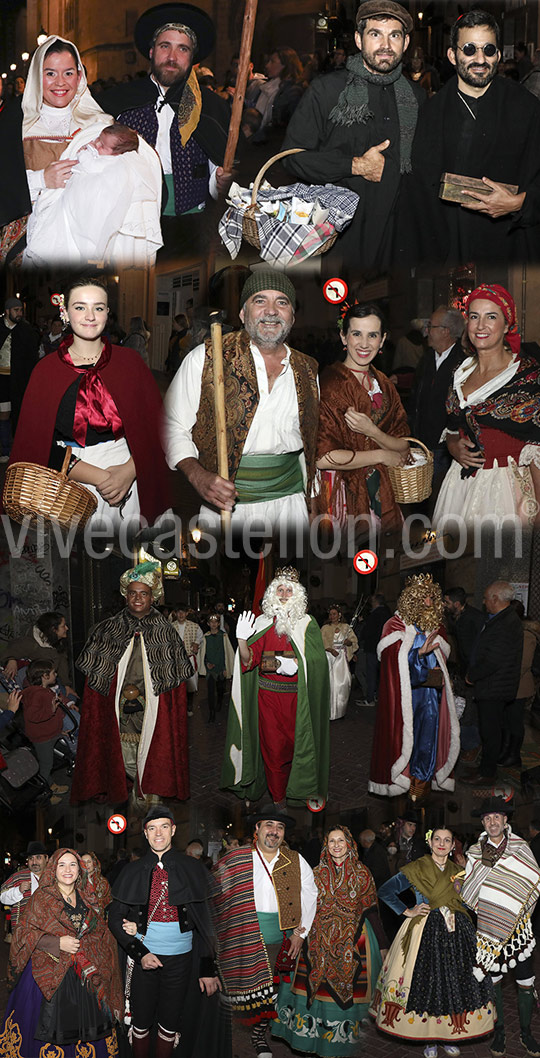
(346, 893)
(96, 962)
(340, 389)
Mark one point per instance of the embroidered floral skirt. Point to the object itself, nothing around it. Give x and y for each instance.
(27, 1012)
(431, 993)
(325, 1028)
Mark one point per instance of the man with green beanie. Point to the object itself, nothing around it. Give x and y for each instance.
(501, 885)
(271, 405)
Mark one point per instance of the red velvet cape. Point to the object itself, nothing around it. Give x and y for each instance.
(99, 767)
(137, 397)
(388, 738)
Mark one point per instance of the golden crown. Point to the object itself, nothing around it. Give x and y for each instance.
(287, 573)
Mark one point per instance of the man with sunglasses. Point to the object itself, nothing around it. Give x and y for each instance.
(482, 126)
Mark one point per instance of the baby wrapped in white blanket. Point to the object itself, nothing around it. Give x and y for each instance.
(109, 210)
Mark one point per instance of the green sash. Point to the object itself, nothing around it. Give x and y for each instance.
(269, 927)
(268, 477)
(170, 210)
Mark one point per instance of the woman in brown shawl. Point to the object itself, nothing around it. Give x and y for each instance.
(99, 890)
(69, 991)
(362, 426)
(322, 1012)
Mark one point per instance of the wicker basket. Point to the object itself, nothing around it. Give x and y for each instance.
(249, 224)
(412, 483)
(32, 491)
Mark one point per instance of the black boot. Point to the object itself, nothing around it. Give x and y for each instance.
(526, 998)
(498, 1043)
(511, 758)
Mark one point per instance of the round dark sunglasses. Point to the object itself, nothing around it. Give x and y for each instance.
(471, 49)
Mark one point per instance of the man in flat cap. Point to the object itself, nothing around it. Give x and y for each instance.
(263, 891)
(19, 345)
(483, 126)
(134, 711)
(185, 123)
(272, 410)
(356, 126)
(160, 916)
(501, 886)
(18, 888)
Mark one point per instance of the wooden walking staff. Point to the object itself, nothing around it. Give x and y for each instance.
(241, 81)
(219, 407)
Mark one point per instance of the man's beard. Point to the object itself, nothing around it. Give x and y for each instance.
(288, 614)
(481, 79)
(165, 77)
(261, 338)
(383, 66)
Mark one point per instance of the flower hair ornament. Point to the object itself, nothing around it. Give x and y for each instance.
(343, 310)
(58, 300)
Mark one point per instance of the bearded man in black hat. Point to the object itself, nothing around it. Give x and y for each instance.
(501, 886)
(18, 888)
(186, 124)
(264, 890)
(161, 919)
(356, 126)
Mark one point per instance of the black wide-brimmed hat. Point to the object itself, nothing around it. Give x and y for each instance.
(269, 811)
(493, 806)
(187, 15)
(35, 848)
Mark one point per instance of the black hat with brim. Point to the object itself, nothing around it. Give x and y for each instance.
(493, 806)
(35, 848)
(270, 811)
(186, 15)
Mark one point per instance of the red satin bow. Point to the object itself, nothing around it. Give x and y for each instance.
(95, 407)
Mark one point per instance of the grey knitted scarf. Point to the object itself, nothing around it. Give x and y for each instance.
(352, 106)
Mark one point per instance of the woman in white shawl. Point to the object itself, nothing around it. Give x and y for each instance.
(59, 118)
(340, 643)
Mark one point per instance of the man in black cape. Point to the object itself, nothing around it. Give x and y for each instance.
(161, 919)
(478, 125)
(356, 127)
(187, 125)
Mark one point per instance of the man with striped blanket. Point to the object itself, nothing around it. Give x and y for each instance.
(502, 883)
(265, 893)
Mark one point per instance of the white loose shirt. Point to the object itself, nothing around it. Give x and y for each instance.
(265, 894)
(15, 895)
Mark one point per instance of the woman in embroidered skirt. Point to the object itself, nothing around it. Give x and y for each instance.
(340, 644)
(69, 990)
(426, 990)
(493, 430)
(362, 426)
(321, 1012)
(102, 401)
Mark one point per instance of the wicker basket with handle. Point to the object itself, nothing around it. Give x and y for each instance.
(32, 491)
(249, 224)
(412, 482)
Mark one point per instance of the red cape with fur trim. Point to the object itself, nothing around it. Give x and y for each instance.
(99, 768)
(137, 397)
(393, 737)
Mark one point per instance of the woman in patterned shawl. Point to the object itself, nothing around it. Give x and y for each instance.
(427, 992)
(493, 425)
(321, 1013)
(69, 991)
(362, 427)
(99, 890)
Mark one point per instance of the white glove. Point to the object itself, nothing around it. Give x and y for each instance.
(245, 625)
(287, 666)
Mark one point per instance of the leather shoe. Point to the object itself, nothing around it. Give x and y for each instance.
(478, 779)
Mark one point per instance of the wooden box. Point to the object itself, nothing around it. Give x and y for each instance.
(453, 185)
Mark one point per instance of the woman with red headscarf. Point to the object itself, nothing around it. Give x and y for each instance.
(493, 426)
(69, 990)
(322, 1012)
